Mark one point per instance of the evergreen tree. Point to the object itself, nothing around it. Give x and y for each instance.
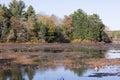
(17, 8)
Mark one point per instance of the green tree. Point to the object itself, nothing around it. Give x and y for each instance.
(30, 11)
(31, 22)
(88, 27)
(1, 19)
(80, 23)
(99, 33)
(47, 29)
(4, 22)
(17, 8)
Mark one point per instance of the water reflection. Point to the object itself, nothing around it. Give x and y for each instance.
(23, 73)
(60, 73)
(29, 73)
(73, 65)
(106, 71)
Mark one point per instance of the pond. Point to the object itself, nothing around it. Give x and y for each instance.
(61, 73)
(74, 56)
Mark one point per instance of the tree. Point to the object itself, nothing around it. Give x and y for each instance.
(99, 33)
(16, 8)
(88, 27)
(23, 22)
(40, 30)
(31, 22)
(47, 29)
(1, 19)
(4, 22)
(68, 26)
(17, 24)
(30, 11)
(18, 31)
(80, 23)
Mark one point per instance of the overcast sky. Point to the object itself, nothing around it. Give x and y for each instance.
(108, 10)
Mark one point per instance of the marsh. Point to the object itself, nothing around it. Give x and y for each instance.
(56, 61)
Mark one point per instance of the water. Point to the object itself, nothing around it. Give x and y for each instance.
(65, 73)
(112, 54)
(61, 73)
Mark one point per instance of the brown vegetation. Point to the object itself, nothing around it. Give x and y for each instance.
(53, 55)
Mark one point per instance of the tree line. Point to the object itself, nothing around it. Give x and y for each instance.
(115, 35)
(20, 25)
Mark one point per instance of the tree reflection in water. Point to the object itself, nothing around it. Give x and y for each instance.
(17, 73)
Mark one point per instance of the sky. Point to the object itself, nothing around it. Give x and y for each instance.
(108, 10)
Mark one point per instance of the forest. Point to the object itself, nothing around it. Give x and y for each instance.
(18, 24)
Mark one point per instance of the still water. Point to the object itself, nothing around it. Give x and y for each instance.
(112, 54)
(63, 73)
(60, 73)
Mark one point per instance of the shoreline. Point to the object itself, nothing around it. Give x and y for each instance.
(53, 54)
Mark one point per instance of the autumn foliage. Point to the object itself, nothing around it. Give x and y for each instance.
(20, 25)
